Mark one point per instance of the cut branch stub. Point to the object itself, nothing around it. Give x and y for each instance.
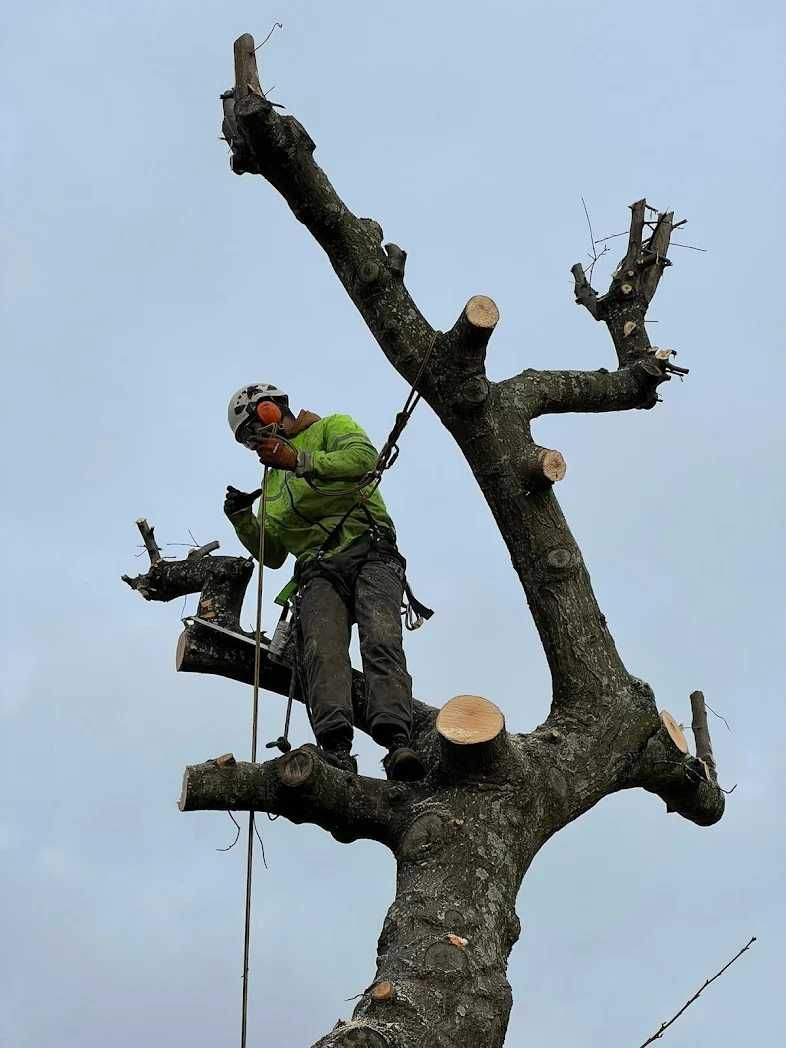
(149, 539)
(246, 72)
(701, 735)
(382, 992)
(472, 331)
(472, 733)
(676, 733)
(541, 467)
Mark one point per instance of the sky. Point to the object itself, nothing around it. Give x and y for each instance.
(142, 283)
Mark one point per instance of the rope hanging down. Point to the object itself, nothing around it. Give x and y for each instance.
(254, 733)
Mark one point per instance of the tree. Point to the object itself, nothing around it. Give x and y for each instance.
(464, 837)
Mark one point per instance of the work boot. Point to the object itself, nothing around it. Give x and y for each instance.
(402, 762)
(336, 750)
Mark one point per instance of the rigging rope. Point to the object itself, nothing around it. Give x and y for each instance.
(254, 733)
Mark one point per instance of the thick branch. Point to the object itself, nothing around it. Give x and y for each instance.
(222, 581)
(552, 392)
(282, 152)
(303, 788)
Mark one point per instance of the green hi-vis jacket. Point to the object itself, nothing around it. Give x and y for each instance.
(298, 518)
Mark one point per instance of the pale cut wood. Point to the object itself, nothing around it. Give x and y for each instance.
(468, 720)
(675, 731)
(553, 465)
(382, 992)
(482, 312)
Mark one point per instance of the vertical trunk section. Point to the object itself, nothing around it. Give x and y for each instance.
(442, 957)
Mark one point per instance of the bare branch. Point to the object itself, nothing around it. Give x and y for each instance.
(303, 788)
(281, 150)
(636, 231)
(654, 258)
(149, 539)
(552, 392)
(664, 1026)
(701, 733)
(585, 295)
(203, 551)
(682, 781)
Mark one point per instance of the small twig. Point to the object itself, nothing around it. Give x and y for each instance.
(666, 1025)
(595, 256)
(276, 25)
(690, 247)
(261, 842)
(613, 236)
(718, 715)
(237, 835)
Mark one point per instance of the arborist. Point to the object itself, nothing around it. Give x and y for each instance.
(348, 568)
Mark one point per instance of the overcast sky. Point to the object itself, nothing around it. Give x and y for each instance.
(143, 283)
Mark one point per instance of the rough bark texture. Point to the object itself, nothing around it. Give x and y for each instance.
(465, 836)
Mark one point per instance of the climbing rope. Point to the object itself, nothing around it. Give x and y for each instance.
(390, 450)
(254, 733)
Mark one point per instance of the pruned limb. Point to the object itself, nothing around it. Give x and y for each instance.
(246, 72)
(472, 735)
(542, 467)
(701, 734)
(303, 788)
(553, 392)
(149, 539)
(203, 551)
(679, 779)
(585, 294)
(282, 151)
(654, 260)
(201, 649)
(221, 581)
(637, 212)
(470, 334)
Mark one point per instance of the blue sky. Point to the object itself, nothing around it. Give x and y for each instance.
(143, 282)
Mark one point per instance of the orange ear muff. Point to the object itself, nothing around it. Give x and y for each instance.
(268, 413)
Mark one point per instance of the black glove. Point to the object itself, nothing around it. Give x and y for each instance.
(236, 500)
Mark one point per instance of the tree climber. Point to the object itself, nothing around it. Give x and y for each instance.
(348, 568)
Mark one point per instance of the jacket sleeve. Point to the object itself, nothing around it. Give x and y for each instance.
(246, 528)
(348, 453)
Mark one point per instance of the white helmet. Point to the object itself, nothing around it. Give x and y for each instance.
(243, 403)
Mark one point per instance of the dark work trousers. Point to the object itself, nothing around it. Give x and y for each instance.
(372, 584)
